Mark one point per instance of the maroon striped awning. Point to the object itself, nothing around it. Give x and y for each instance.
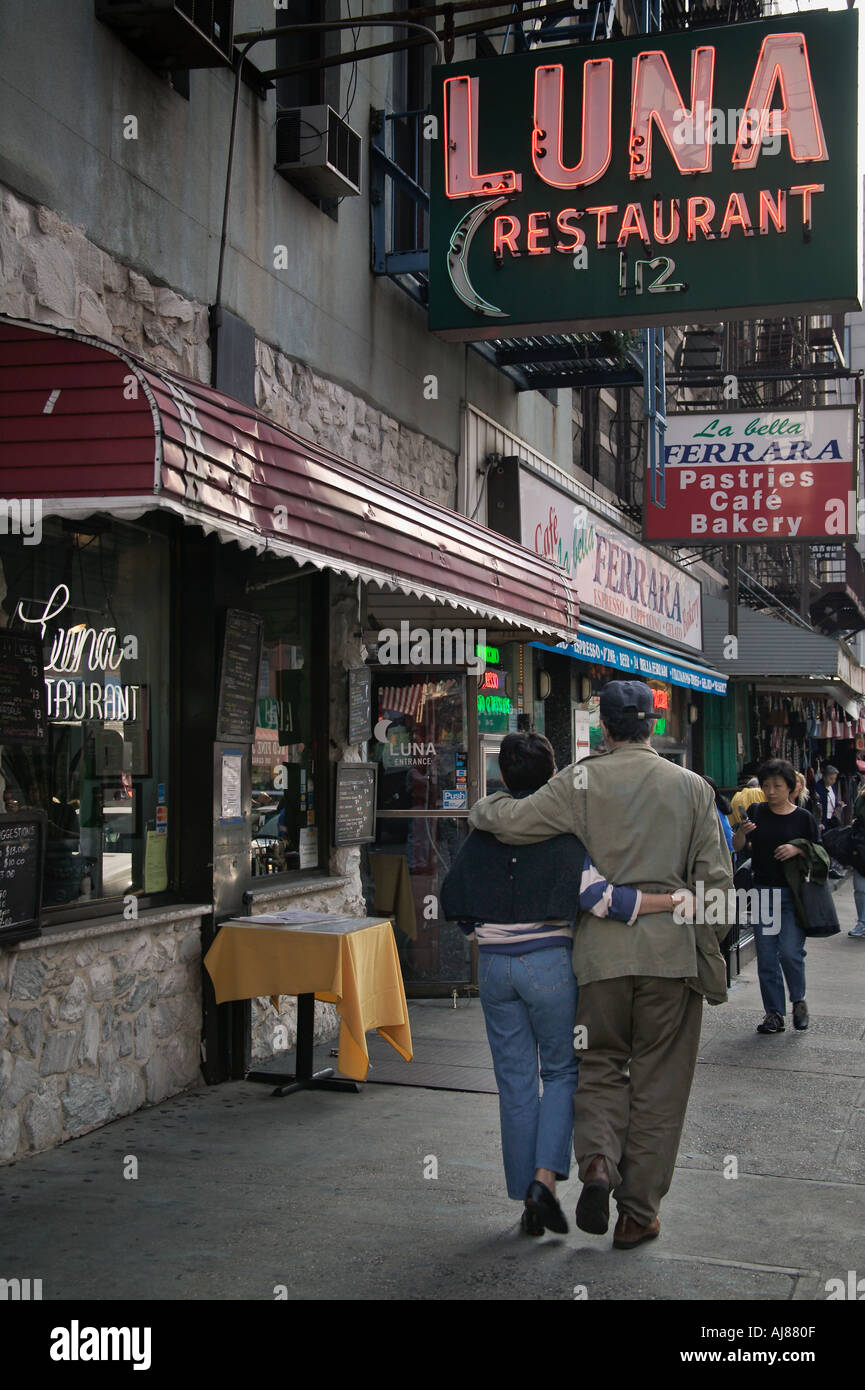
(87, 427)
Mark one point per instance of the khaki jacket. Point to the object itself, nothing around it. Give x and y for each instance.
(647, 824)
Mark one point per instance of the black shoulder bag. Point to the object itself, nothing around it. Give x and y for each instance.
(818, 907)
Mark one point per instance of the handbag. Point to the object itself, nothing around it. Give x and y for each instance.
(818, 907)
(839, 843)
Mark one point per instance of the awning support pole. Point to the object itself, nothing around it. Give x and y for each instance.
(732, 590)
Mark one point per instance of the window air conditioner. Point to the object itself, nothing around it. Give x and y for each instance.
(317, 150)
(173, 33)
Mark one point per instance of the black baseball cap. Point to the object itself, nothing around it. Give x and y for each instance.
(633, 698)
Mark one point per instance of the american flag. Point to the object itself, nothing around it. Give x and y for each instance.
(406, 699)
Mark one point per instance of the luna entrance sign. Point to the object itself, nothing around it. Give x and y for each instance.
(670, 178)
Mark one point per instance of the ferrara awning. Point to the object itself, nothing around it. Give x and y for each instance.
(87, 427)
(613, 649)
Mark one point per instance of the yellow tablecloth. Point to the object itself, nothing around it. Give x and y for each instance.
(357, 968)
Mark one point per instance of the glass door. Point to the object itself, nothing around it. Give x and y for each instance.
(421, 744)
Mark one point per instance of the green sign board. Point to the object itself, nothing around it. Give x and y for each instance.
(671, 178)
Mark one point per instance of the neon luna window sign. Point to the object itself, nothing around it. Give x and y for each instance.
(76, 651)
(609, 160)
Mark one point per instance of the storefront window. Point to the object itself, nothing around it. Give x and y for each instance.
(96, 593)
(421, 741)
(284, 791)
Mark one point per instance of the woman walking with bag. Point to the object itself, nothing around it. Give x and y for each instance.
(780, 940)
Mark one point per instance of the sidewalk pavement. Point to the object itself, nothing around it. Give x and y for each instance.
(239, 1192)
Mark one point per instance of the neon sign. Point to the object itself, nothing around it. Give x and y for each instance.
(613, 149)
(494, 704)
(76, 649)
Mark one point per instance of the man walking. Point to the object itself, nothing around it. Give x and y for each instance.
(827, 797)
(826, 808)
(650, 825)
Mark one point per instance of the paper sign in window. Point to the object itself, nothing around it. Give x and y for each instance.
(155, 863)
(232, 785)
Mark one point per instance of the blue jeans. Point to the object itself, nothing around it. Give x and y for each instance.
(780, 951)
(530, 1004)
(859, 897)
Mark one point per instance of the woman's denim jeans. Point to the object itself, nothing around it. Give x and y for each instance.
(530, 1004)
(859, 897)
(779, 951)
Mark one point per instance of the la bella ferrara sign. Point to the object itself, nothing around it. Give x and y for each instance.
(757, 476)
(671, 178)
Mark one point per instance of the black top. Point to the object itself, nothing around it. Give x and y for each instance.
(490, 881)
(774, 830)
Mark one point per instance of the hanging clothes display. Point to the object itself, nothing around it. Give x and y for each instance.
(809, 731)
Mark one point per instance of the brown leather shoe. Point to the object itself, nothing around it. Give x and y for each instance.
(629, 1232)
(593, 1208)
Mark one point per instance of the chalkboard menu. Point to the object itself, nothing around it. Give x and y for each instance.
(22, 848)
(23, 708)
(354, 813)
(359, 704)
(238, 683)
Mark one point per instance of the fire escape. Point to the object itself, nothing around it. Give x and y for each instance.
(793, 363)
(777, 364)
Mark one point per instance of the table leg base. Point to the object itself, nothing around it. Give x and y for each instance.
(288, 1083)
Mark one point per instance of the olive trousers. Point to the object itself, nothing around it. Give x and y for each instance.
(641, 1041)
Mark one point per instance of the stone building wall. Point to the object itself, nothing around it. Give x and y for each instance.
(329, 415)
(98, 1028)
(51, 273)
(94, 1027)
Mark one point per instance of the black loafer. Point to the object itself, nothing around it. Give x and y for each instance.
(541, 1203)
(772, 1023)
(530, 1223)
(800, 1016)
(593, 1208)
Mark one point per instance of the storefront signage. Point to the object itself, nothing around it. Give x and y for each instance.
(359, 704)
(238, 684)
(22, 850)
(661, 702)
(613, 574)
(606, 652)
(103, 647)
(354, 803)
(674, 178)
(494, 704)
(493, 680)
(78, 651)
(756, 476)
(267, 751)
(76, 701)
(22, 693)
